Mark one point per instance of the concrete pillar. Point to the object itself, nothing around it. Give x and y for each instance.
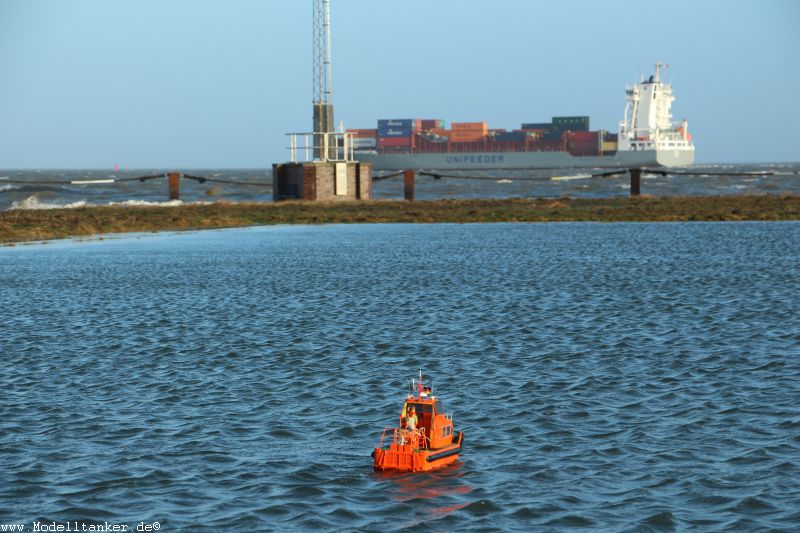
(363, 180)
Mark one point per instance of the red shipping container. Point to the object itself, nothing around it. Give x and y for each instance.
(395, 141)
(584, 135)
(363, 133)
(466, 136)
(430, 124)
(470, 126)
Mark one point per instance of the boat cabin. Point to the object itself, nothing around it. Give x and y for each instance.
(432, 422)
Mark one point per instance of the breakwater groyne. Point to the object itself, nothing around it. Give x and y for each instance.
(20, 225)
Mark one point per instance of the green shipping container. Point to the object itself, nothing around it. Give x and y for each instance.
(571, 123)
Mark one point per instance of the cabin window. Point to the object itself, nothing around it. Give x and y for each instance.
(447, 431)
(420, 407)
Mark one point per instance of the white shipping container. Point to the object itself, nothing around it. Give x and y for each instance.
(364, 142)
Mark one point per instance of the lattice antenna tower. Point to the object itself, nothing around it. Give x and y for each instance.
(323, 78)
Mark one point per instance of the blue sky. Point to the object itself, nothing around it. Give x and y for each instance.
(199, 83)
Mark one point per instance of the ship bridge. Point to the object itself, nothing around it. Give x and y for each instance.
(647, 124)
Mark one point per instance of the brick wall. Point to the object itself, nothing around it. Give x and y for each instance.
(317, 181)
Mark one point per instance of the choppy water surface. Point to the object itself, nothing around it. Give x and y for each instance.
(45, 189)
(625, 377)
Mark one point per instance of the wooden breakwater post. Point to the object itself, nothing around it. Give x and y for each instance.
(408, 185)
(174, 179)
(636, 181)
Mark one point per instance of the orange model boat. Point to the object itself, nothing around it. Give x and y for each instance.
(423, 442)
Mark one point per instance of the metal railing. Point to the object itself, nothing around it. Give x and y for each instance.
(415, 438)
(321, 146)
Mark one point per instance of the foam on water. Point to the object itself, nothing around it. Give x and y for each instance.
(575, 177)
(168, 203)
(33, 203)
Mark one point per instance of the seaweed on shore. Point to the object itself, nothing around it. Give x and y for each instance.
(38, 225)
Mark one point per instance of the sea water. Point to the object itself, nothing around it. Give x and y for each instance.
(616, 377)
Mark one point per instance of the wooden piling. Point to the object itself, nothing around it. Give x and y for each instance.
(636, 181)
(174, 185)
(408, 177)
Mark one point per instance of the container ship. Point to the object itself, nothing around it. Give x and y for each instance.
(647, 136)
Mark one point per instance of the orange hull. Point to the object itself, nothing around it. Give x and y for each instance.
(405, 457)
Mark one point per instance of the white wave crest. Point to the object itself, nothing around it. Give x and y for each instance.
(145, 203)
(567, 178)
(33, 202)
(8, 187)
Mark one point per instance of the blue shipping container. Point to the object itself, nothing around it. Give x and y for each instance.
(404, 123)
(553, 135)
(536, 125)
(394, 132)
(515, 136)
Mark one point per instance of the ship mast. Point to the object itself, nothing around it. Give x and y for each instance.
(659, 66)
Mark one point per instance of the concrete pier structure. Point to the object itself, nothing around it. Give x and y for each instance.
(322, 181)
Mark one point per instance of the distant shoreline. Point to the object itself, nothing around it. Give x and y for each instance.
(42, 225)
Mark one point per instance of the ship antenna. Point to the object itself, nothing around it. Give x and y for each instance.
(658, 71)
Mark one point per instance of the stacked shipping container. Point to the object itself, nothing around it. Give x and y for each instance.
(467, 132)
(561, 134)
(511, 136)
(397, 132)
(432, 124)
(584, 142)
(364, 138)
(571, 123)
(609, 144)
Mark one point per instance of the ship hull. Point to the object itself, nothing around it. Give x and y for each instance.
(404, 457)
(524, 160)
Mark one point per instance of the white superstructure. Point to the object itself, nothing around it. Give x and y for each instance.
(647, 124)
